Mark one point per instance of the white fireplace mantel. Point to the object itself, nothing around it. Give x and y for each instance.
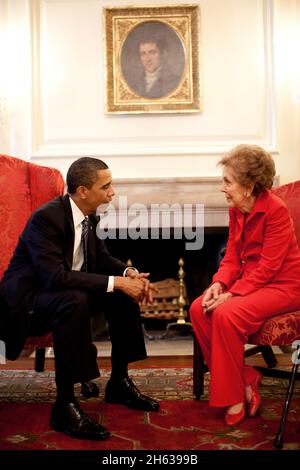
(192, 190)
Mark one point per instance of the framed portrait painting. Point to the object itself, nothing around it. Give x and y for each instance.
(152, 59)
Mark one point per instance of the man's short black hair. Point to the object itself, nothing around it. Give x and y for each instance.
(83, 172)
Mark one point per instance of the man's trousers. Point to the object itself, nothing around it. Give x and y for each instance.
(67, 314)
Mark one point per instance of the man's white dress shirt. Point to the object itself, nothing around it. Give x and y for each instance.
(77, 261)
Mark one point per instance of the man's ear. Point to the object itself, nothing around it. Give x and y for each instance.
(81, 191)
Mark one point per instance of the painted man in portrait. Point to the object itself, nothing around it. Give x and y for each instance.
(156, 72)
(158, 78)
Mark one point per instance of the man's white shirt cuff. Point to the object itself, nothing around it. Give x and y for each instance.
(111, 279)
(111, 284)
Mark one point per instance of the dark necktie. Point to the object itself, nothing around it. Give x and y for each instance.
(84, 241)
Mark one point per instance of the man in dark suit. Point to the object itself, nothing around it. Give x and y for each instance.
(57, 279)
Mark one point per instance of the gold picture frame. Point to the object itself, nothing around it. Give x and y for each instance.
(152, 59)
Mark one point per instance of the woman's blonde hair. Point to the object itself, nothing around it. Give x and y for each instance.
(251, 164)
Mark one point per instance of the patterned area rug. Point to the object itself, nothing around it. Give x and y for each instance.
(181, 423)
(161, 383)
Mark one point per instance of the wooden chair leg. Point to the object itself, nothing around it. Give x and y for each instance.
(267, 353)
(279, 438)
(39, 362)
(199, 369)
(269, 356)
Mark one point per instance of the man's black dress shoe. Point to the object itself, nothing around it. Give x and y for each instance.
(73, 421)
(125, 392)
(89, 389)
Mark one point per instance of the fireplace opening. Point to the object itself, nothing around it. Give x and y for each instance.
(160, 257)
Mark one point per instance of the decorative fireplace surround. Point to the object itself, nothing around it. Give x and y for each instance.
(202, 190)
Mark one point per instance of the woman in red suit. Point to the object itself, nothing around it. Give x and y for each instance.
(258, 278)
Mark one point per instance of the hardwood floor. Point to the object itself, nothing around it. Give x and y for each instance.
(152, 361)
(161, 353)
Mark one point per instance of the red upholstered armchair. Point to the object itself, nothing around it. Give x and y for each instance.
(281, 330)
(24, 187)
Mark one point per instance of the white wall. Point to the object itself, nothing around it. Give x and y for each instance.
(54, 81)
(287, 76)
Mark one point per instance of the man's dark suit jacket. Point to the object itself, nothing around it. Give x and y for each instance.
(43, 261)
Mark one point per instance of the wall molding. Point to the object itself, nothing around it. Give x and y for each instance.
(42, 147)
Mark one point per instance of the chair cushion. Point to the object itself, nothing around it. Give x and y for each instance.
(35, 342)
(279, 330)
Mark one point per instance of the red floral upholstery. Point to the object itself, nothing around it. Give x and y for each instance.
(15, 206)
(280, 330)
(45, 184)
(290, 194)
(24, 186)
(37, 342)
(283, 329)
